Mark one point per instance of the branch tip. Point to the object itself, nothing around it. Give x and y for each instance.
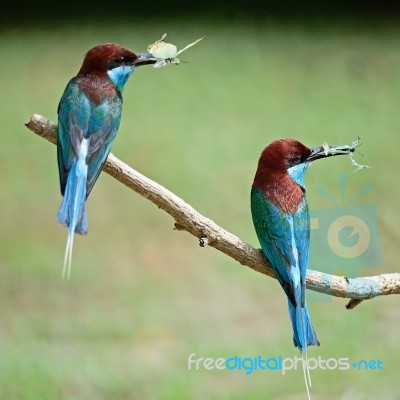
(354, 303)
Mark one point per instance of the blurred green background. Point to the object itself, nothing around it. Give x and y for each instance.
(143, 297)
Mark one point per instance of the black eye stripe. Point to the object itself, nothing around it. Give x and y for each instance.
(119, 61)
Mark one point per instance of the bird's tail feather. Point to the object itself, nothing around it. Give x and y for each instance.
(303, 331)
(303, 336)
(306, 373)
(72, 212)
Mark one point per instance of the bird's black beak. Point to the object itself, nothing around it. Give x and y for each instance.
(144, 59)
(327, 151)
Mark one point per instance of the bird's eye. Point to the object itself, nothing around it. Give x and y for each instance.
(296, 158)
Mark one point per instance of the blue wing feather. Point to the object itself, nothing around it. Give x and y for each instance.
(79, 118)
(104, 124)
(274, 232)
(73, 122)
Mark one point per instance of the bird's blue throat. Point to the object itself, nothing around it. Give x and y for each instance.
(297, 173)
(120, 75)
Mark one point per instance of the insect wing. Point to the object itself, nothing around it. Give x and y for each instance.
(161, 63)
(188, 46)
(163, 51)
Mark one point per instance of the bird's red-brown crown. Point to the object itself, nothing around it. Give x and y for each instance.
(103, 57)
(283, 154)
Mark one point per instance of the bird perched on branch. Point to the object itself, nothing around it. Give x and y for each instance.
(89, 115)
(282, 223)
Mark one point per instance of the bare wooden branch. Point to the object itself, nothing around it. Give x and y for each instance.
(209, 233)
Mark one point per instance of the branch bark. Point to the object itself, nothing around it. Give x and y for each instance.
(209, 233)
